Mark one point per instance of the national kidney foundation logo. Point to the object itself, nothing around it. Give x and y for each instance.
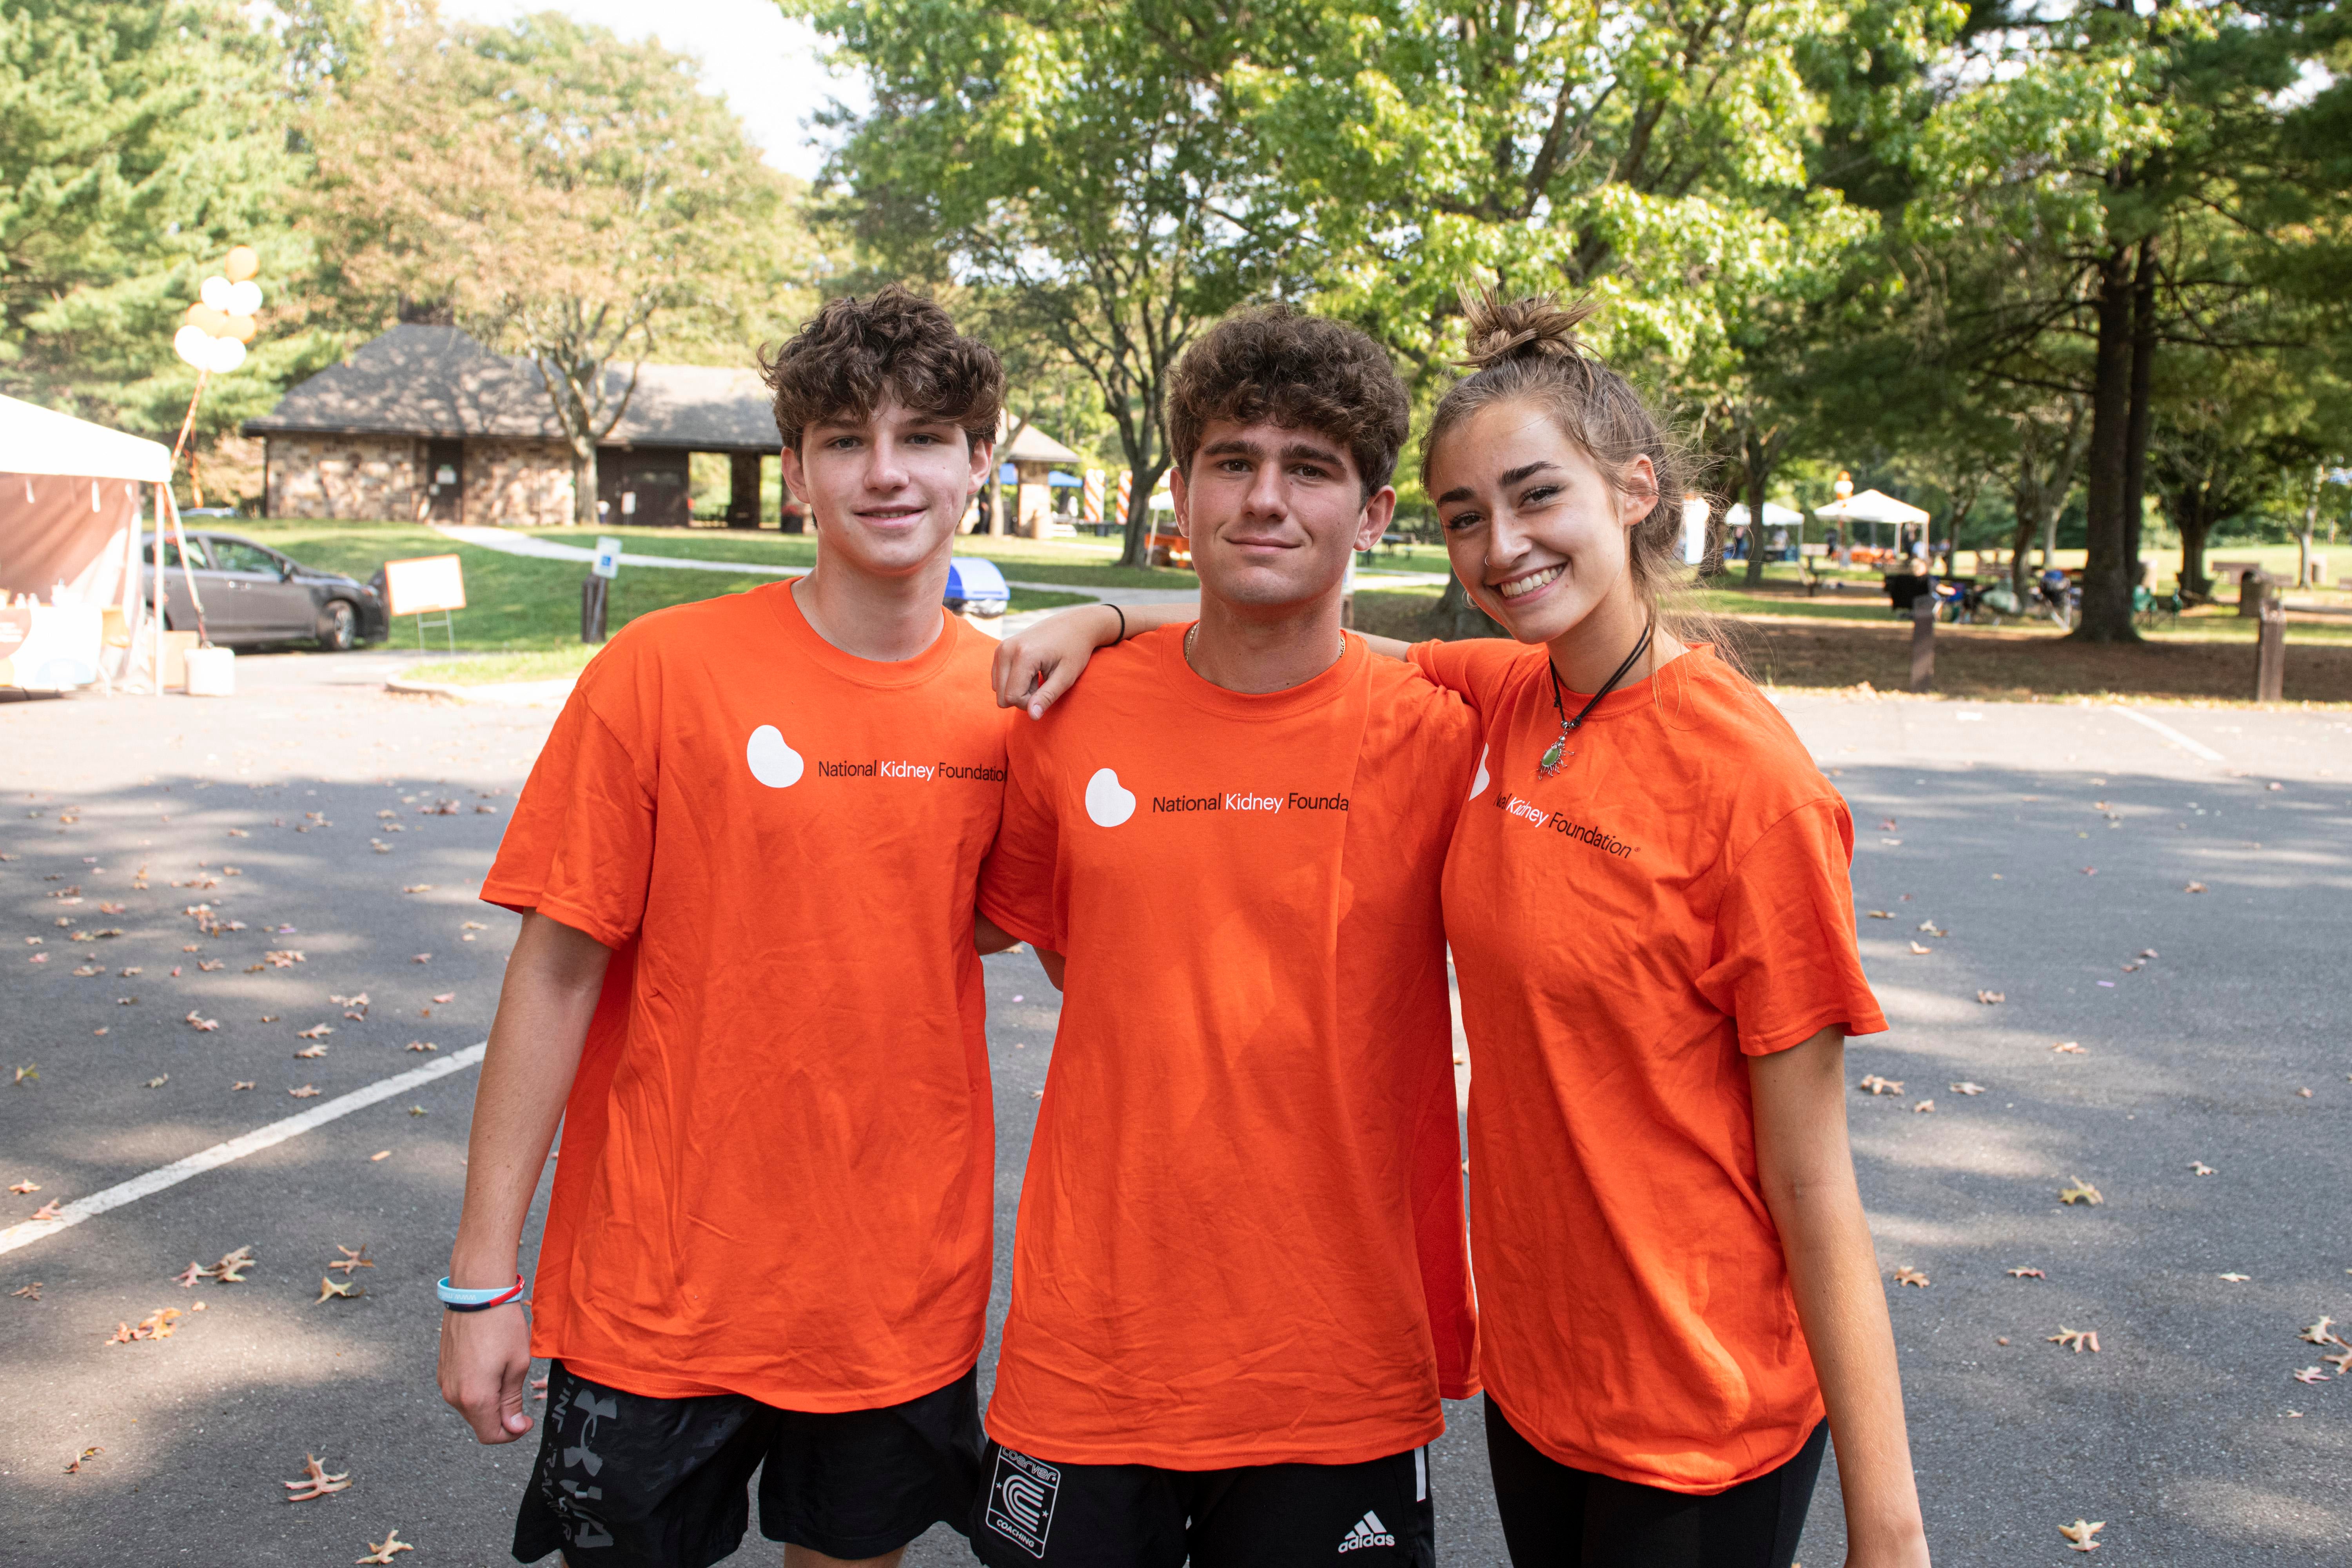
(774, 762)
(1108, 803)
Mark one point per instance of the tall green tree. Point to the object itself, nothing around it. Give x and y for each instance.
(139, 141)
(1091, 167)
(570, 196)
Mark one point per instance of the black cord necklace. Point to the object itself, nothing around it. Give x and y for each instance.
(1558, 753)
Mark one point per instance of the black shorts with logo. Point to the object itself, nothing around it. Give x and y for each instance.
(1376, 1514)
(626, 1480)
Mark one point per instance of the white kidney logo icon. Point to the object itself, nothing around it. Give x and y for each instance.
(1106, 802)
(1478, 784)
(773, 762)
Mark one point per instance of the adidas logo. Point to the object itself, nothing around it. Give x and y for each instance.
(1368, 1532)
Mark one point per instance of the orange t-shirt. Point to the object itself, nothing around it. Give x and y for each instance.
(1240, 1233)
(778, 1159)
(1675, 899)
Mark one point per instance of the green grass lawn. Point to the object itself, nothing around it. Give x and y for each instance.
(515, 604)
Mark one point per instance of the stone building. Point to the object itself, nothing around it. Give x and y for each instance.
(424, 423)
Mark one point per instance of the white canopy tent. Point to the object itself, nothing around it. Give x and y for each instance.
(1873, 506)
(1775, 515)
(70, 532)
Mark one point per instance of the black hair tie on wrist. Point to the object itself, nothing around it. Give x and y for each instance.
(1122, 623)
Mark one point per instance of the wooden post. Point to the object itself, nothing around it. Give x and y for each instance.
(2270, 653)
(2253, 591)
(1923, 641)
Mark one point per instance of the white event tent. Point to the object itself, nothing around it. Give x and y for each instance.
(70, 506)
(1871, 506)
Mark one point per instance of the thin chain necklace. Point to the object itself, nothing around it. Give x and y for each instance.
(1558, 753)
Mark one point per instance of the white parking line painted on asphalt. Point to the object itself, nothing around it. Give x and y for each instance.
(260, 1137)
(2194, 748)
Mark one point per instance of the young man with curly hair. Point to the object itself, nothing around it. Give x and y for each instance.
(748, 983)
(1239, 1287)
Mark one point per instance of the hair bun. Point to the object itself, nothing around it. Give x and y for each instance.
(1532, 326)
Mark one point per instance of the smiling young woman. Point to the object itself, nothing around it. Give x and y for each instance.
(1654, 940)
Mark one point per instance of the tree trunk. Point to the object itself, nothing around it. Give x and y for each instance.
(1758, 471)
(2195, 521)
(2142, 376)
(2107, 589)
(1138, 550)
(1457, 616)
(2303, 540)
(583, 484)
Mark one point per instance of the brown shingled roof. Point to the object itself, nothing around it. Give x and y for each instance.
(418, 380)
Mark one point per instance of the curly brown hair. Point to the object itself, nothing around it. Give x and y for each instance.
(1301, 372)
(853, 353)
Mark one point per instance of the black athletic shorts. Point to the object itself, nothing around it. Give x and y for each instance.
(1372, 1515)
(1555, 1516)
(625, 1481)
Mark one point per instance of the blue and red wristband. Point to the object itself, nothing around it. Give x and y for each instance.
(463, 1300)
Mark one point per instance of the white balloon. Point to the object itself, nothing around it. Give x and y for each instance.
(227, 353)
(215, 292)
(193, 345)
(243, 298)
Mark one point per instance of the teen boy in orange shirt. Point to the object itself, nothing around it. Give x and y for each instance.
(1238, 1284)
(747, 981)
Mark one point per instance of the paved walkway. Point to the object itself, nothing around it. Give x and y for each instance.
(510, 544)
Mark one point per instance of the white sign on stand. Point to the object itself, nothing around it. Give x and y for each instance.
(608, 557)
(426, 585)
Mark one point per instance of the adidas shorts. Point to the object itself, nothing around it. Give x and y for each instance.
(1035, 1514)
(626, 1480)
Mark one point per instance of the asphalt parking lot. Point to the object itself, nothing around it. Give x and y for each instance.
(161, 851)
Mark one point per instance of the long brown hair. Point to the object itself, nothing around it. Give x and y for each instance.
(1527, 349)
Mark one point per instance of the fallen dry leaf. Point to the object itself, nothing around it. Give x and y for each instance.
(422, 958)
(305, 1093)
(316, 1482)
(331, 1288)
(2322, 1332)
(207, 965)
(30, 1292)
(311, 1053)
(1964, 1087)
(1906, 1275)
(379, 1154)
(382, 1551)
(1882, 914)
(230, 1269)
(47, 1211)
(351, 1261)
(2028, 1273)
(1992, 998)
(2303, 1093)
(2070, 1048)
(1932, 929)
(2078, 1534)
(2235, 1278)
(2308, 1374)
(286, 958)
(2082, 1192)
(74, 1467)
(417, 888)
(186, 1278)
(2075, 1340)
(315, 1032)
(21, 1187)
(423, 1046)
(2342, 1364)
(1877, 1085)
(1925, 1108)
(161, 1324)
(1917, 949)
(2200, 1168)
(201, 1026)
(446, 996)
(2194, 887)
(240, 1084)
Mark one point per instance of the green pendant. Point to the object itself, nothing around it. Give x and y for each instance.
(1549, 763)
